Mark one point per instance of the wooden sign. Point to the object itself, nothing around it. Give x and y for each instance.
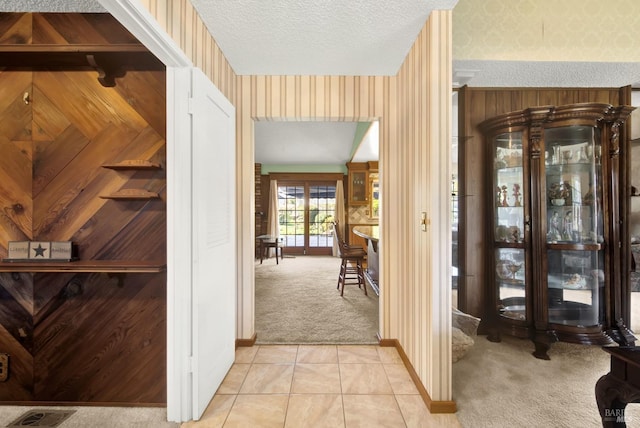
(40, 250)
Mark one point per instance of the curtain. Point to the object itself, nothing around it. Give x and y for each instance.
(273, 226)
(339, 216)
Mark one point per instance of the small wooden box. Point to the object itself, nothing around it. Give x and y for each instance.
(40, 250)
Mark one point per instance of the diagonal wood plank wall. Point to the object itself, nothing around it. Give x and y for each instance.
(81, 337)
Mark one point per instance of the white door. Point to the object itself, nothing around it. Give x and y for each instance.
(214, 236)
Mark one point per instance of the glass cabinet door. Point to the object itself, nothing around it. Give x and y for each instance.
(508, 203)
(574, 232)
(358, 187)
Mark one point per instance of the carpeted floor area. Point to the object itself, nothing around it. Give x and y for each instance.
(297, 302)
(503, 385)
(89, 417)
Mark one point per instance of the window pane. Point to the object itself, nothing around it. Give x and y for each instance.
(322, 204)
(291, 215)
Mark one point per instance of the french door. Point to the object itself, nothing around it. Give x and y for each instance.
(305, 212)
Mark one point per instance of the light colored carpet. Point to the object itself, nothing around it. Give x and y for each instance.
(503, 385)
(297, 302)
(98, 417)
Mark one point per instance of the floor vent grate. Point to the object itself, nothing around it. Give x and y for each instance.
(42, 418)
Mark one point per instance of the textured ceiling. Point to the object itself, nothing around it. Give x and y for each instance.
(50, 6)
(307, 37)
(312, 143)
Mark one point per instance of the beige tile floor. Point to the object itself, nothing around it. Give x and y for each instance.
(319, 386)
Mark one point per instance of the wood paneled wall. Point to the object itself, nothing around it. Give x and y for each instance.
(81, 337)
(476, 105)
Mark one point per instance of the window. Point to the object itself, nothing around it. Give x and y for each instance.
(305, 212)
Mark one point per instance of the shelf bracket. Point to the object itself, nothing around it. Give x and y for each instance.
(106, 73)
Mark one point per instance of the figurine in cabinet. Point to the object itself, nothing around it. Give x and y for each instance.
(517, 195)
(554, 228)
(567, 227)
(504, 196)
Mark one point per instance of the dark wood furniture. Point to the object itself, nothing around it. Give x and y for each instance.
(553, 244)
(351, 266)
(371, 235)
(267, 242)
(476, 105)
(619, 387)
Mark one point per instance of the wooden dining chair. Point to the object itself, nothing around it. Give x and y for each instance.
(352, 256)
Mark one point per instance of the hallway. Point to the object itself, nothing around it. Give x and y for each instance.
(319, 385)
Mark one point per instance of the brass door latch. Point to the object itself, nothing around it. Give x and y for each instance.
(424, 221)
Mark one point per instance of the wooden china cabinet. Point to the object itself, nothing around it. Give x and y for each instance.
(554, 244)
(358, 183)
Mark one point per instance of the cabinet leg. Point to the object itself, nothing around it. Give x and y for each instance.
(541, 350)
(542, 341)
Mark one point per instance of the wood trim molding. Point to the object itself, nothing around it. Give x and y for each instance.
(246, 342)
(306, 176)
(433, 406)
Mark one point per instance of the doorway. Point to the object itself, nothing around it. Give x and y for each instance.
(308, 177)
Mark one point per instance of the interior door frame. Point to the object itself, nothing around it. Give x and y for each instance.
(136, 19)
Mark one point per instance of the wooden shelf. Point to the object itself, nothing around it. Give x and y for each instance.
(133, 164)
(129, 194)
(117, 266)
(110, 61)
(74, 55)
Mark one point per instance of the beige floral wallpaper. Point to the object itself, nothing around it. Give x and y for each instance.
(547, 30)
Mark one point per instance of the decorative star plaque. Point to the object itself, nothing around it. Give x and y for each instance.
(41, 250)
